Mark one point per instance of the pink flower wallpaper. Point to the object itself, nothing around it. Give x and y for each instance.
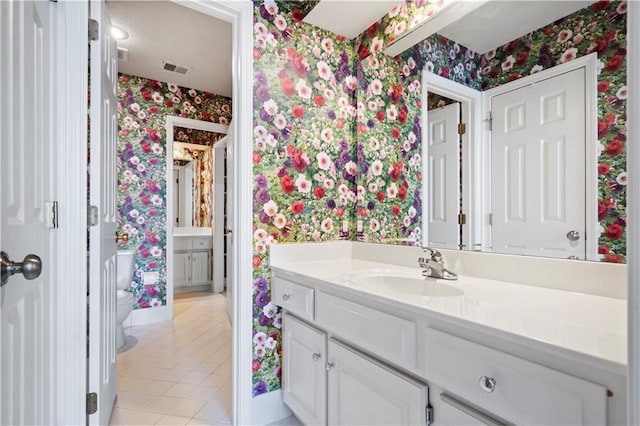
(141, 193)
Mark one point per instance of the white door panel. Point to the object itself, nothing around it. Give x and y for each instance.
(443, 154)
(102, 246)
(538, 168)
(28, 175)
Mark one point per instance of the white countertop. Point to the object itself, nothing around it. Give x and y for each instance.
(589, 325)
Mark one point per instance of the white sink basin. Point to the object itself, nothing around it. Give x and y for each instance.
(402, 282)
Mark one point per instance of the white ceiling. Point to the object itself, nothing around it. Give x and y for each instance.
(348, 17)
(498, 22)
(165, 31)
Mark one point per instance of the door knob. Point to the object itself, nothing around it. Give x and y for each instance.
(30, 267)
(573, 235)
(487, 384)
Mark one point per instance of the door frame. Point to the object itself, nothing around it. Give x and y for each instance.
(70, 359)
(589, 63)
(240, 15)
(472, 148)
(170, 122)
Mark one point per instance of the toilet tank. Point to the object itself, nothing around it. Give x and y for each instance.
(124, 268)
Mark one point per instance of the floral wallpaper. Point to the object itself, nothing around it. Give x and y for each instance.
(305, 167)
(195, 136)
(599, 28)
(400, 19)
(141, 193)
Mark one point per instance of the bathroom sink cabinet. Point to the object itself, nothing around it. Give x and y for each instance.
(351, 359)
(192, 263)
(326, 382)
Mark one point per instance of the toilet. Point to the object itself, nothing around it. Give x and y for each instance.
(124, 298)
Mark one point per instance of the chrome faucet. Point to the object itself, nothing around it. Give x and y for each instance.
(433, 266)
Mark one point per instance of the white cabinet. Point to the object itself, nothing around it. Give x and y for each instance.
(365, 392)
(326, 382)
(181, 269)
(192, 262)
(304, 380)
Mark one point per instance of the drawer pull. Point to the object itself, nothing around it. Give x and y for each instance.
(285, 297)
(315, 356)
(487, 384)
(328, 366)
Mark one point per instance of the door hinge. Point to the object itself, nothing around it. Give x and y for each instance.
(462, 128)
(92, 403)
(94, 30)
(92, 215)
(428, 413)
(490, 121)
(51, 208)
(490, 219)
(462, 219)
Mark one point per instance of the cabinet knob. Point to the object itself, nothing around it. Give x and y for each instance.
(487, 384)
(285, 297)
(328, 366)
(315, 356)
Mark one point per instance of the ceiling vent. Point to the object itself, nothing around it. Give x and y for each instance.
(123, 54)
(167, 66)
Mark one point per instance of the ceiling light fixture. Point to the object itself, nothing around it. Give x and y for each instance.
(118, 33)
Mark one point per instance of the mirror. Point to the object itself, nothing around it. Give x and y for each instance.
(527, 173)
(193, 177)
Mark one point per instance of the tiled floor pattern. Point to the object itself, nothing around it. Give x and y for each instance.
(177, 372)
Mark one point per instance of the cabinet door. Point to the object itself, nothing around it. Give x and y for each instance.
(200, 267)
(364, 392)
(181, 269)
(304, 379)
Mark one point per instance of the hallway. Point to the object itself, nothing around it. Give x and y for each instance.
(177, 372)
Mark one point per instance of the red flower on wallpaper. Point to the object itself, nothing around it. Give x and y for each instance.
(614, 232)
(603, 168)
(287, 86)
(614, 63)
(614, 148)
(297, 207)
(318, 192)
(603, 86)
(287, 184)
(297, 111)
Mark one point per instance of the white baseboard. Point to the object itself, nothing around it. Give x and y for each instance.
(148, 316)
(268, 408)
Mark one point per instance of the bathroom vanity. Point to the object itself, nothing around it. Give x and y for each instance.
(368, 340)
(192, 261)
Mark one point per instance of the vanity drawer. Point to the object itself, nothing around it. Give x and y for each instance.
(385, 335)
(523, 392)
(181, 243)
(201, 243)
(293, 297)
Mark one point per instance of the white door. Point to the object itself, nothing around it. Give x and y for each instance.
(443, 153)
(304, 379)
(219, 223)
(102, 246)
(538, 168)
(28, 176)
(363, 392)
(229, 227)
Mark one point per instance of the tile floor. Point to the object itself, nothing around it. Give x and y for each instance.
(177, 372)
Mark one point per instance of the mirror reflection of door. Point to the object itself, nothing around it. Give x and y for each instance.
(538, 174)
(443, 168)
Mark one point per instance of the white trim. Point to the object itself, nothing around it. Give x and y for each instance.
(269, 408)
(633, 213)
(218, 214)
(70, 359)
(172, 121)
(472, 149)
(589, 63)
(240, 14)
